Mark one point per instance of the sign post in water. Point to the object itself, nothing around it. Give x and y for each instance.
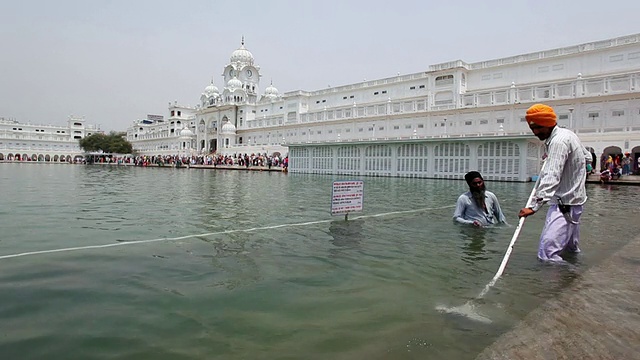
(347, 196)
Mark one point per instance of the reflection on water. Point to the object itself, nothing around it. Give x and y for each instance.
(346, 234)
(357, 289)
(473, 243)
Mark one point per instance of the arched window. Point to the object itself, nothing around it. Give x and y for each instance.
(443, 97)
(444, 80)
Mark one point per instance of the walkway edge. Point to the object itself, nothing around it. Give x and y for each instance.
(597, 318)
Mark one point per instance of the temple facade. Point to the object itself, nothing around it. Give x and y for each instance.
(48, 143)
(441, 122)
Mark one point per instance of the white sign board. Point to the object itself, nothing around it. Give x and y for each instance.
(158, 118)
(347, 196)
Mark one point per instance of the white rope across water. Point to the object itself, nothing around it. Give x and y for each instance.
(136, 242)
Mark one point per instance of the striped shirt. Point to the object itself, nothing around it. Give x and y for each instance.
(564, 172)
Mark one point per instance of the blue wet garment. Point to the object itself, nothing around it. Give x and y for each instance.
(467, 211)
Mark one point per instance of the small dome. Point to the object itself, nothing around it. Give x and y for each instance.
(271, 90)
(186, 132)
(234, 84)
(211, 89)
(228, 128)
(242, 55)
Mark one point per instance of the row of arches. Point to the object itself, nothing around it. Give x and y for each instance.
(38, 157)
(496, 160)
(234, 98)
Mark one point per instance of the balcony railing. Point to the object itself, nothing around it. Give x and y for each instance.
(578, 88)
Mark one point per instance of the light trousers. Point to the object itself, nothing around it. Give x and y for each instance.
(558, 234)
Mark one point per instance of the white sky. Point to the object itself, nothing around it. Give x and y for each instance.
(116, 61)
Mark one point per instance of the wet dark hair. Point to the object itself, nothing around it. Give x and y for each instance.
(472, 175)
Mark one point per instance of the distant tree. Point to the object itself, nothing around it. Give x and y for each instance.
(112, 143)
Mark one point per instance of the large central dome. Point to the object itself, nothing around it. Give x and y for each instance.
(242, 55)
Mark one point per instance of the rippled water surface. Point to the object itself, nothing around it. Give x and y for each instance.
(251, 265)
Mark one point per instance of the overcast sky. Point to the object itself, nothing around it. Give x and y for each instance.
(117, 61)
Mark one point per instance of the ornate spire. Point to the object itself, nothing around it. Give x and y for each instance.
(242, 42)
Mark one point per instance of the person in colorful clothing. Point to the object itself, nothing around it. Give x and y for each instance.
(562, 184)
(626, 164)
(478, 206)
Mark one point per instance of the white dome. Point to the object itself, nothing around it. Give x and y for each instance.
(186, 132)
(211, 89)
(242, 55)
(271, 93)
(228, 128)
(271, 90)
(234, 84)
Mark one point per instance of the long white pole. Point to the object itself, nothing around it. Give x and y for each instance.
(514, 238)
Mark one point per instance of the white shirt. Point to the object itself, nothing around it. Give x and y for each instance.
(564, 172)
(467, 211)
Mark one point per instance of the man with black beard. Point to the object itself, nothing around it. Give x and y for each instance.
(478, 206)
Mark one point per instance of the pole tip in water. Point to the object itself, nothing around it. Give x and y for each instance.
(467, 310)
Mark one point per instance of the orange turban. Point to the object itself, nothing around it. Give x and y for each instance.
(542, 115)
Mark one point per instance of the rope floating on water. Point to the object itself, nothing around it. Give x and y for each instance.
(136, 242)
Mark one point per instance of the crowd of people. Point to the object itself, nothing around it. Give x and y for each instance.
(243, 160)
(615, 166)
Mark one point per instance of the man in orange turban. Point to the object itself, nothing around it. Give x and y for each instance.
(542, 115)
(562, 184)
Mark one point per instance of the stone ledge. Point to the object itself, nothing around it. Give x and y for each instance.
(597, 318)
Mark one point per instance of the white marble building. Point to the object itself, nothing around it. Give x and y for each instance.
(173, 136)
(441, 122)
(218, 122)
(30, 142)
